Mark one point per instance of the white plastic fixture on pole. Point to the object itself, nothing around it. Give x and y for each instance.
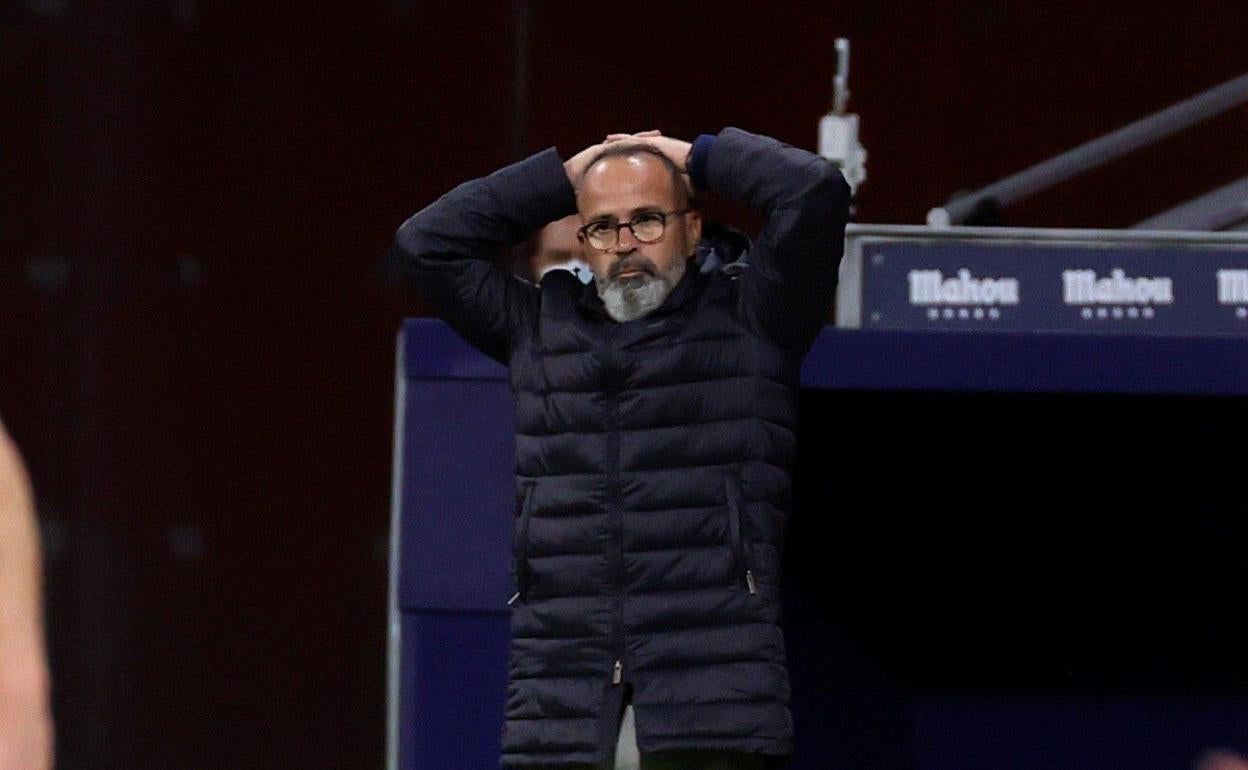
(838, 131)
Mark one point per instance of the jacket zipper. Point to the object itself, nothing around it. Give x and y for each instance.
(616, 543)
(522, 543)
(736, 530)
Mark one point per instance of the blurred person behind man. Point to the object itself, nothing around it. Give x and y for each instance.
(558, 248)
(25, 712)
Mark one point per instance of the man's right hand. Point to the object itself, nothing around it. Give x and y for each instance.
(578, 164)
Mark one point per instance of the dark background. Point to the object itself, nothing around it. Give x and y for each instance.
(196, 198)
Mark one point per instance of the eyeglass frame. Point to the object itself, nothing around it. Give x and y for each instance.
(581, 232)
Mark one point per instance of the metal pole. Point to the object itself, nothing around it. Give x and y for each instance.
(521, 22)
(840, 83)
(1220, 209)
(1097, 152)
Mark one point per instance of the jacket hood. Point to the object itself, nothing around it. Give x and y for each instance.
(722, 248)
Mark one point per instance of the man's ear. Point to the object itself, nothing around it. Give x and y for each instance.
(694, 225)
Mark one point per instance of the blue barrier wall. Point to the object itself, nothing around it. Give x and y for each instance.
(855, 704)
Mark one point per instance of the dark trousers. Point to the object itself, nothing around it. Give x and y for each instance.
(689, 760)
(626, 756)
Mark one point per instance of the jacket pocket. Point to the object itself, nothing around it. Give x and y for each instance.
(737, 531)
(520, 543)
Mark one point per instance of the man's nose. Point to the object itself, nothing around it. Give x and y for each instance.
(625, 240)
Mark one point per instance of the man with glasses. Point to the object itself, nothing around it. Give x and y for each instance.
(655, 436)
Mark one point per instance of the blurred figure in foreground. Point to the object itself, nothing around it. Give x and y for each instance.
(25, 713)
(1222, 760)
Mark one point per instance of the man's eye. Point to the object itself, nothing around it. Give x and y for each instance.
(647, 219)
(597, 228)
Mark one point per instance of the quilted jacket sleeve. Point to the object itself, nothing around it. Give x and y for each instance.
(791, 283)
(449, 250)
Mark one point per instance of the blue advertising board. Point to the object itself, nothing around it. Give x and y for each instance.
(992, 279)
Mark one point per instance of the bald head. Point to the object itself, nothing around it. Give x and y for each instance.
(642, 154)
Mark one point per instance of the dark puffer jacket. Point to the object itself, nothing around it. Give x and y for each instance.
(653, 457)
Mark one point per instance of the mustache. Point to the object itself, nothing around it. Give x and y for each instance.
(632, 263)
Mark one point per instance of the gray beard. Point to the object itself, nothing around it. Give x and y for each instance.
(632, 298)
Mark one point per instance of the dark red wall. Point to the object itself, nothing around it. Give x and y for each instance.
(197, 351)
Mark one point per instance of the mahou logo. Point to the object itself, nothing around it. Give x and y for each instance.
(931, 287)
(961, 297)
(1233, 290)
(1117, 296)
(1085, 287)
(1233, 287)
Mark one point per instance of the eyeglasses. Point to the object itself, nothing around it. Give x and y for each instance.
(646, 228)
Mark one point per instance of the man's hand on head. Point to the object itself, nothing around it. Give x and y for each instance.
(676, 150)
(578, 164)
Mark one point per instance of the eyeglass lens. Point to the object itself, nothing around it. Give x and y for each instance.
(646, 228)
